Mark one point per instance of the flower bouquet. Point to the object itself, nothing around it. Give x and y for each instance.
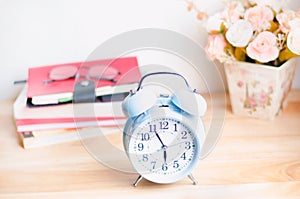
(257, 41)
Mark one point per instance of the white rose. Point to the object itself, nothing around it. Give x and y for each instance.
(240, 33)
(214, 23)
(293, 41)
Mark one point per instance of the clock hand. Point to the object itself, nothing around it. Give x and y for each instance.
(160, 140)
(164, 147)
(171, 145)
(165, 155)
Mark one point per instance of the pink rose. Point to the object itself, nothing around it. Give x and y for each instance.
(293, 41)
(263, 48)
(259, 17)
(233, 11)
(215, 48)
(276, 5)
(295, 23)
(284, 19)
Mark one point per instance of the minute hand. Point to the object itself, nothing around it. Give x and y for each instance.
(171, 145)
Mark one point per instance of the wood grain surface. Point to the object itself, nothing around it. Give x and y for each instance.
(253, 159)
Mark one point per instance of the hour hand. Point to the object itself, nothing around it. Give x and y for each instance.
(159, 140)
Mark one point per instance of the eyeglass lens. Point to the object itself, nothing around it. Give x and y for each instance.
(99, 72)
(102, 72)
(62, 72)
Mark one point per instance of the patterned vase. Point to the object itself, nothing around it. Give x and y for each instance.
(258, 90)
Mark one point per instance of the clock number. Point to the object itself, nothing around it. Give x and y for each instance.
(184, 135)
(183, 156)
(164, 125)
(164, 167)
(175, 164)
(145, 136)
(152, 128)
(140, 146)
(175, 127)
(153, 163)
(145, 157)
(187, 145)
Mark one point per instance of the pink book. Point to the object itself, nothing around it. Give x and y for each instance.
(24, 125)
(55, 83)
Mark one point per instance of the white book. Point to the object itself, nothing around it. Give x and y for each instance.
(69, 110)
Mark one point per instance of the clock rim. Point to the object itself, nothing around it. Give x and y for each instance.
(189, 121)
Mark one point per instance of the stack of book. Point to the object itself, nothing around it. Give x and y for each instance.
(45, 112)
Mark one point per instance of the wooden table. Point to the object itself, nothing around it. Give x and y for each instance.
(253, 159)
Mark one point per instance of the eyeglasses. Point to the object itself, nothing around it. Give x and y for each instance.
(97, 72)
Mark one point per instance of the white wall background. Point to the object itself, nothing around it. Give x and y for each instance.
(37, 33)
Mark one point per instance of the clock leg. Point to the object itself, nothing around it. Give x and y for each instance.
(137, 181)
(191, 177)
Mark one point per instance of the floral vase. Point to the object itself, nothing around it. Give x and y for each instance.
(258, 90)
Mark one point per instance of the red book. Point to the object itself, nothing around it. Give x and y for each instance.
(46, 86)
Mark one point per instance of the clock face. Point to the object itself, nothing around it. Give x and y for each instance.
(163, 150)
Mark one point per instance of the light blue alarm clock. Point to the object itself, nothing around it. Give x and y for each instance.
(164, 134)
